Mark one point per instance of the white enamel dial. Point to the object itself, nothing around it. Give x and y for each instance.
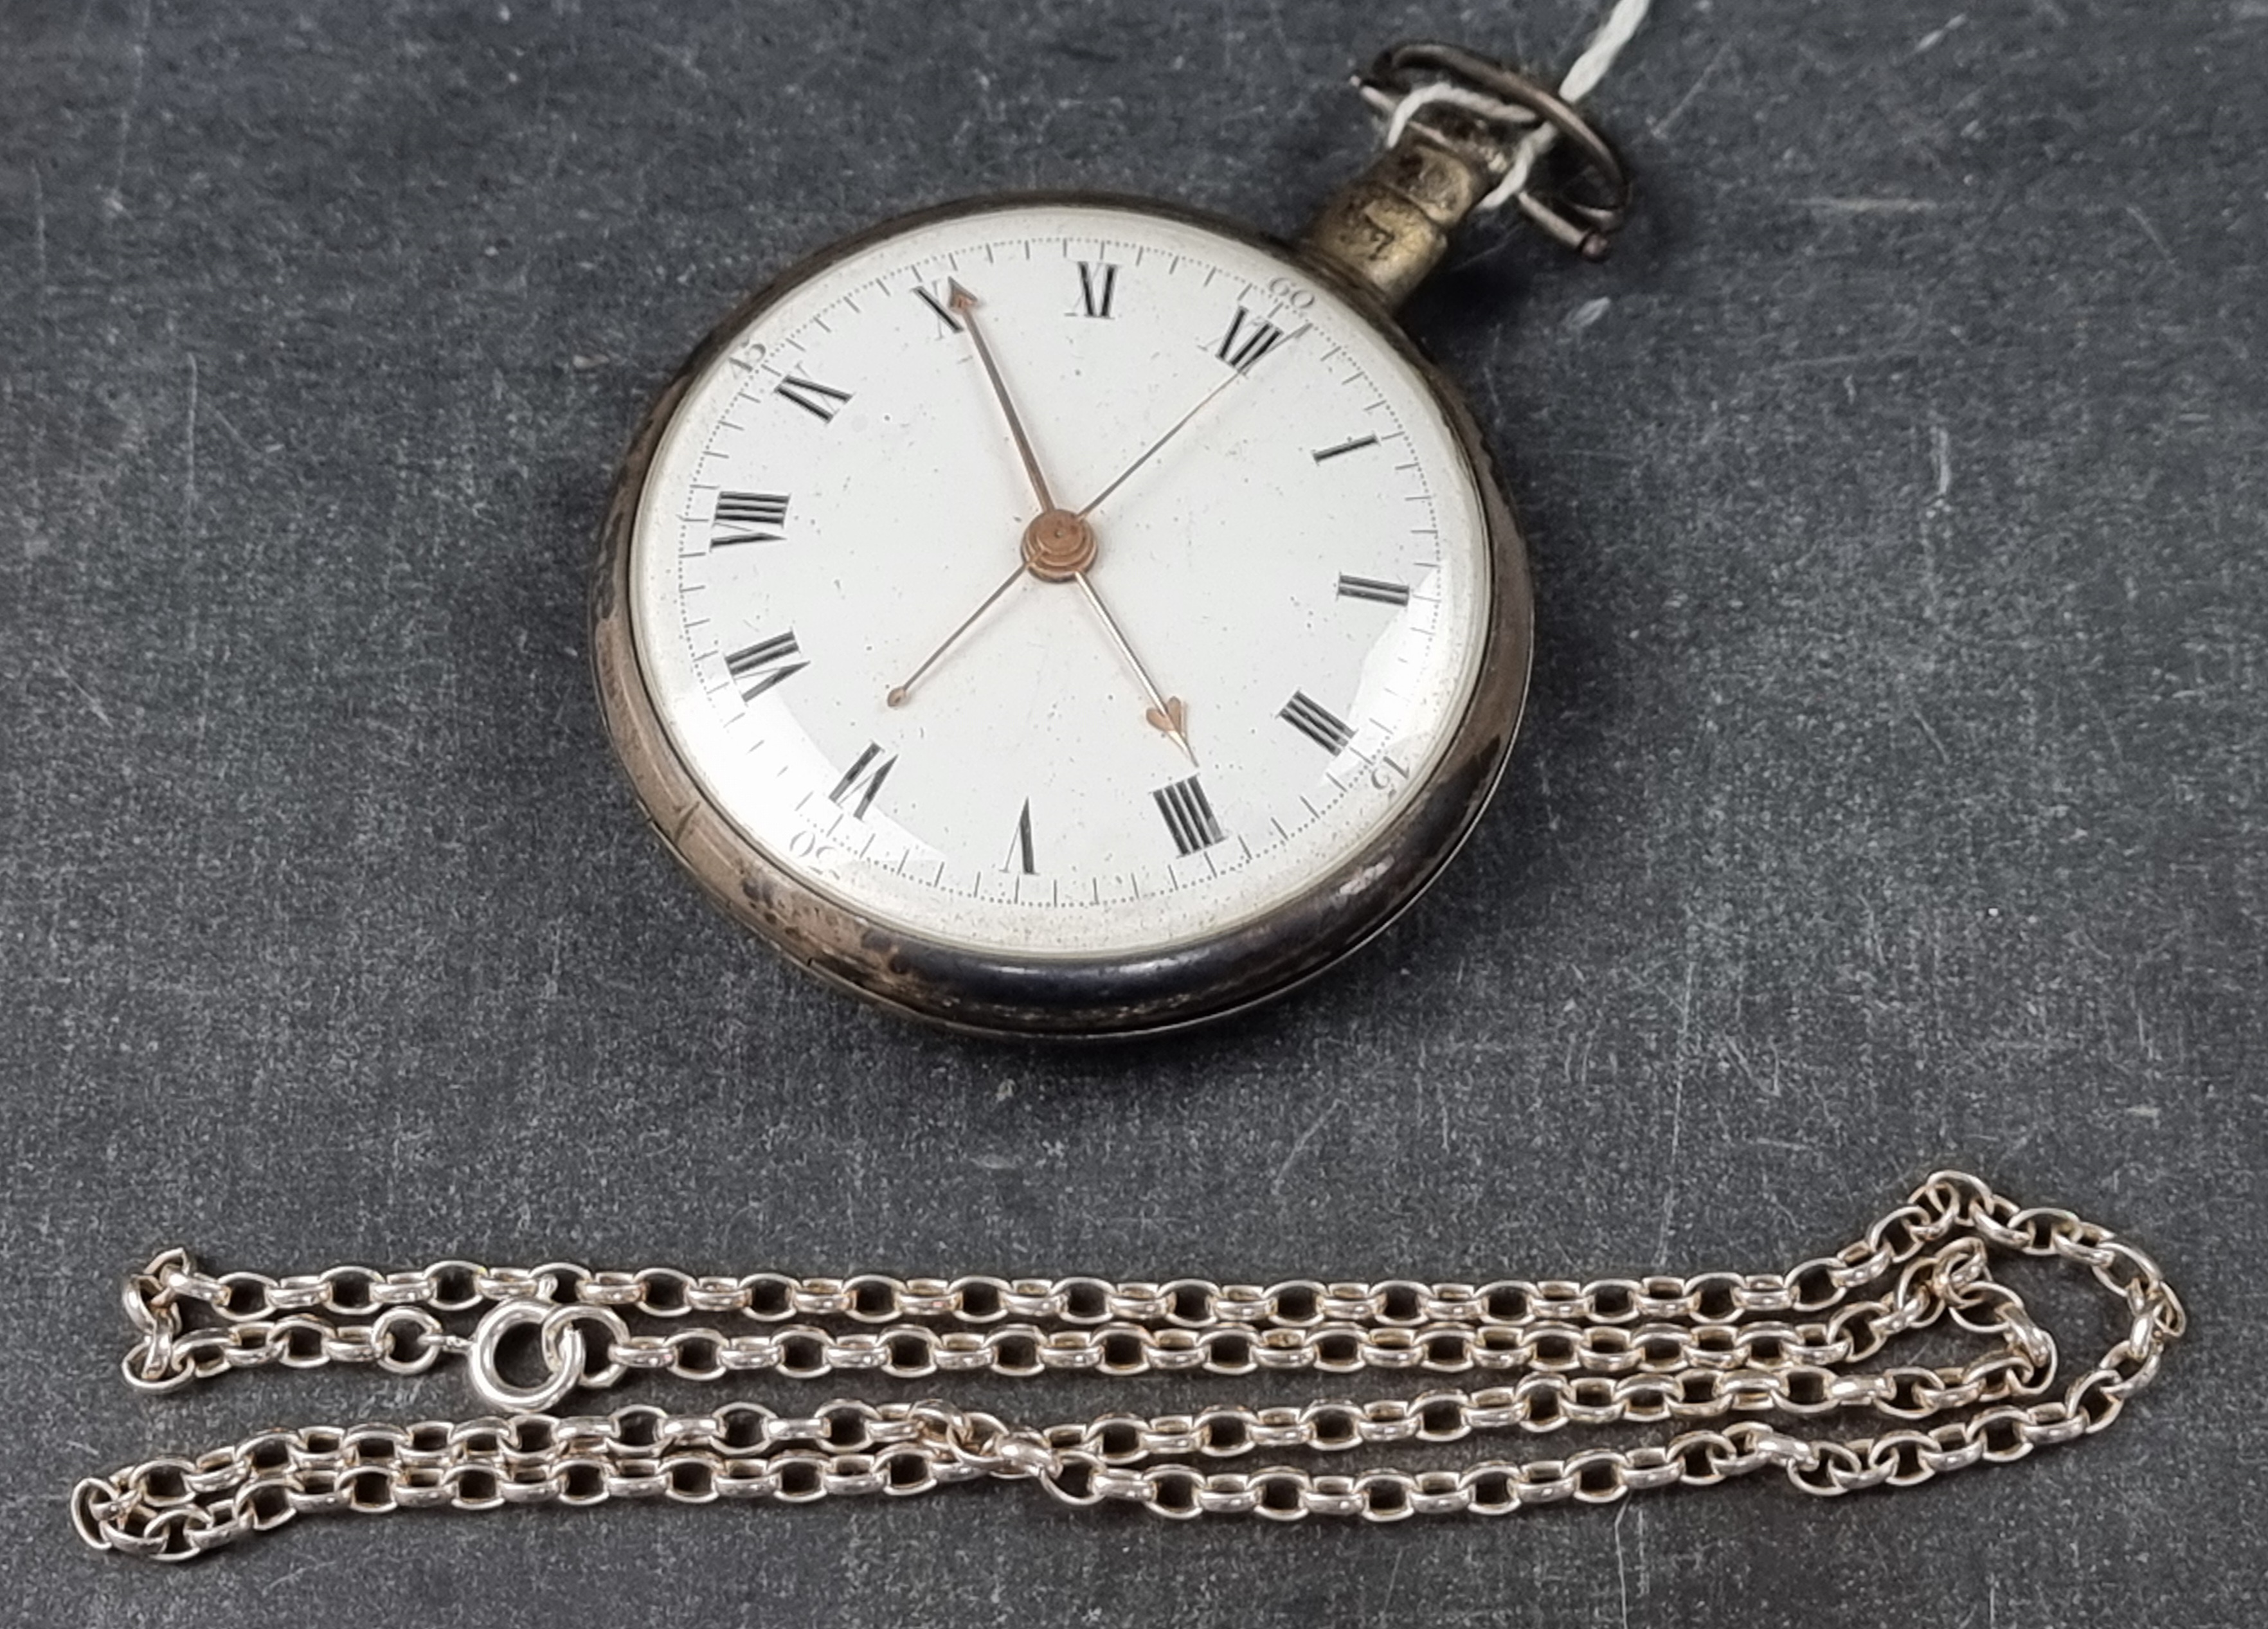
(1225, 677)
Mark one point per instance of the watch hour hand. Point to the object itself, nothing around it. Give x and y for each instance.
(964, 305)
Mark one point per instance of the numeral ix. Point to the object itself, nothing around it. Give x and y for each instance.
(748, 518)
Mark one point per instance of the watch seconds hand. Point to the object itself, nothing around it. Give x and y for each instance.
(1179, 424)
(1094, 503)
(898, 695)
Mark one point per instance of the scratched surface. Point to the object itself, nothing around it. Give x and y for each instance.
(1892, 794)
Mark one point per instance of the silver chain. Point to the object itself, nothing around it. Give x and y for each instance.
(1685, 1352)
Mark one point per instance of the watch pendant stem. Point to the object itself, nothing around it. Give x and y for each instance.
(1464, 136)
(1390, 225)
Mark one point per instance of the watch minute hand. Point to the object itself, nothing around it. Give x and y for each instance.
(1168, 715)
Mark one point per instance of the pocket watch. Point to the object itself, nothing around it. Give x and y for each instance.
(1071, 615)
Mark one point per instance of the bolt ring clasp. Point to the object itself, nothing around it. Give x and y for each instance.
(1582, 224)
(566, 1355)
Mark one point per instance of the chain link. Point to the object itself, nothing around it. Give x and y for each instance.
(1686, 1351)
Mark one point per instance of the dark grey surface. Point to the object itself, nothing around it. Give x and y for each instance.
(1892, 793)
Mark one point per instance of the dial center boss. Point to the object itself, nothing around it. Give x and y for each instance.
(1058, 545)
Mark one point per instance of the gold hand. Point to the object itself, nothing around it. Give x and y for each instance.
(898, 697)
(965, 304)
(1168, 715)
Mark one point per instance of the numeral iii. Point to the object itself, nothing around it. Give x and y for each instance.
(1318, 723)
(1373, 588)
